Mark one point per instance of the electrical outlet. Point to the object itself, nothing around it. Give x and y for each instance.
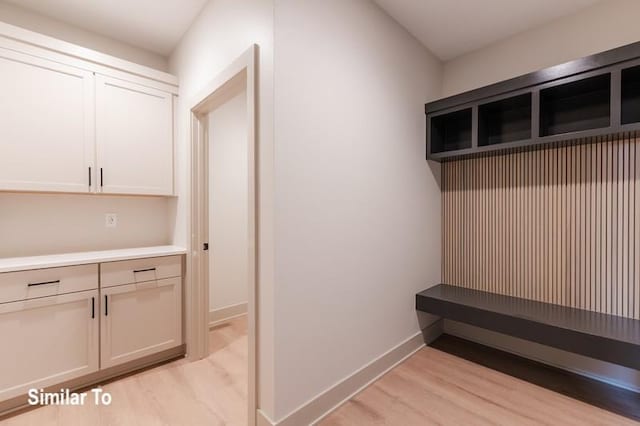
(111, 220)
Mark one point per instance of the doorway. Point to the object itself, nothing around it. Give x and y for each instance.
(221, 306)
(228, 208)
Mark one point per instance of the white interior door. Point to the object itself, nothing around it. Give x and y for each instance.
(140, 319)
(46, 125)
(134, 132)
(47, 341)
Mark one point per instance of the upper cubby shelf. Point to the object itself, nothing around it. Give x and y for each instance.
(451, 132)
(572, 107)
(592, 96)
(631, 95)
(506, 120)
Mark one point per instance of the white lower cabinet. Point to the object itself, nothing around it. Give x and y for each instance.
(140, 319)
(47, 340)
(59, 324)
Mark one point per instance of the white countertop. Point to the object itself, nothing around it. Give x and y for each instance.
(14, 264)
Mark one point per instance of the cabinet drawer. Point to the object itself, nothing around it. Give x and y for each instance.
(139, 270)
(24, 285)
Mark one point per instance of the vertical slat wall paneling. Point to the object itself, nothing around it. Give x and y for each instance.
(573, 221)
(559, 225)
(636, 225)
(596, 207)
(623, 262)
(606, 225)
(616, 282)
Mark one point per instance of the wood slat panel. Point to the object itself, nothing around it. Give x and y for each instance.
(559, 225)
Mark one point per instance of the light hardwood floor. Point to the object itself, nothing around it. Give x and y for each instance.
(433, 387)
(212, 391)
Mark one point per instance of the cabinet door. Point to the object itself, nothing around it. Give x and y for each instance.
(140, 319)
(47, 341)
(46, 125)
(134, 133)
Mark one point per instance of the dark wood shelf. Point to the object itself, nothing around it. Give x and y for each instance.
(592, 96)
(600, 336)
(576, 106)
(451, 132)
(631, 95)
(506, 120)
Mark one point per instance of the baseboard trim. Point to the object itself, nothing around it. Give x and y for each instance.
(222, 315)
(263, 419)
(326, 402)
(19, 404)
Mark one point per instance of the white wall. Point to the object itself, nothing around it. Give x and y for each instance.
(228, 215)
(357, 205)
(20, 17)
(222, 32)
(35, 224)
(606, 25)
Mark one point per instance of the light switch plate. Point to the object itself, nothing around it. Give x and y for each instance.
(111, 220)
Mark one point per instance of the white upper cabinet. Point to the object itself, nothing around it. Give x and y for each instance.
(75, 120)
(46, 125)
(134, 136)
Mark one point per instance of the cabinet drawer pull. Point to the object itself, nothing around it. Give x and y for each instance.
(43, 283)
(144, 270)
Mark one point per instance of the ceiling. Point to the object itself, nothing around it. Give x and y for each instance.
(154, 25)
(449, 28)
(453, 28)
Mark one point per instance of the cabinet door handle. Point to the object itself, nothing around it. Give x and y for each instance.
(89, 177)
(101, 178)
(93, 307)
(144, 270)
(106, 305)
(43, 283)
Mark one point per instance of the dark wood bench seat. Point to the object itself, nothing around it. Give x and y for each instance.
(605, 337)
